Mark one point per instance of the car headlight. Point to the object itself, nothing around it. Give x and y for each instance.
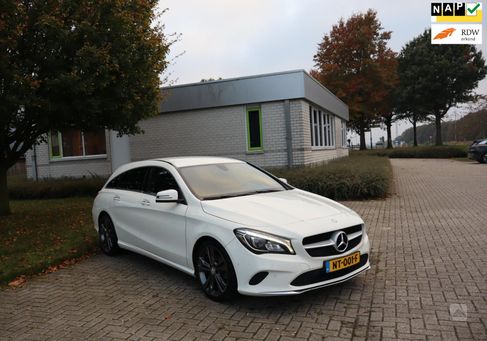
(261, 242)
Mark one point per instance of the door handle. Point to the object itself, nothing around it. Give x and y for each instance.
(116, 198)
(145, 202)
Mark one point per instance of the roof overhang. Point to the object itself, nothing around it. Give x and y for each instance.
(297, 84)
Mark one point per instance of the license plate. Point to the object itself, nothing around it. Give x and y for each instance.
(342, 262)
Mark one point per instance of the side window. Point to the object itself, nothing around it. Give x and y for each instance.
(113, 183)
(160, 179)
(131, 180)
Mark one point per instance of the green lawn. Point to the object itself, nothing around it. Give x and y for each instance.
(43, 233)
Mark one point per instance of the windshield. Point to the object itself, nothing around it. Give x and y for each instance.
(225, 180)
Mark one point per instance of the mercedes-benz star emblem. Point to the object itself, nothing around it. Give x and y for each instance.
(341, 241)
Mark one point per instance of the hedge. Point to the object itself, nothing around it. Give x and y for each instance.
(352, 178)
(421, 152)
(349, 178)
(55, 188)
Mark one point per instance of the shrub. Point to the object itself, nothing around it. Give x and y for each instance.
(420, 152)
(429, 152)
(55, 188)
(352, 178)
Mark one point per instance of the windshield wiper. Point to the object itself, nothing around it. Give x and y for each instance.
(268, 191)
(233, 195)
(224, 196)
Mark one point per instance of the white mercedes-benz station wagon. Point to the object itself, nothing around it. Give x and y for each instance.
(232, 225)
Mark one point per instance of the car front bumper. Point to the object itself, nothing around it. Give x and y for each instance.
(284, 269)
(474, 155)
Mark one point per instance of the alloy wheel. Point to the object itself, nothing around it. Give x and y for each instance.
(107, 236)
(213, 271)
(105, 241)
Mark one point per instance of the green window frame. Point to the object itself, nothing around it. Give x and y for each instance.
(86, 146)
(56, 135)
(252, 144)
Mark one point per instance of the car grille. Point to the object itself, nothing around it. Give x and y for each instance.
(321, 245)
(320, 275)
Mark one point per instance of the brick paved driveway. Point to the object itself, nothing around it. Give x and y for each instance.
(429, 244)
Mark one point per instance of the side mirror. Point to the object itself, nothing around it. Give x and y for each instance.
(283, 180)
(169, 195)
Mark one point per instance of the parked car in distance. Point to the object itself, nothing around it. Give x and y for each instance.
(232, 225)
(478, 151)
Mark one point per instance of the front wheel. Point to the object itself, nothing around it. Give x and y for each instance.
(215, 272)
(107, 236)
(483, 159)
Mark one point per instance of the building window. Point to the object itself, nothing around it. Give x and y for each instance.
(254, 129)
(322, 127)
(344, 133)
(55, 145)
(73, 142)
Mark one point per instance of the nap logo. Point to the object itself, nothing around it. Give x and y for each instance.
(447, 9)
(456, 12)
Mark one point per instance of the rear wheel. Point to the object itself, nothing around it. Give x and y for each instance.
(215, 272)
(107, 236)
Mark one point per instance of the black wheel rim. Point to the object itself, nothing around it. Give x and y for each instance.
(212, 271)
(105, 240)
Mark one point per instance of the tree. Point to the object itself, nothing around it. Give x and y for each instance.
(468, 128)
(435, 78)
(83, 64)
(407, 97)
(347, 62)
(388, 69)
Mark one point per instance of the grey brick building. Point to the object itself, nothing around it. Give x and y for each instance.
(273, 120)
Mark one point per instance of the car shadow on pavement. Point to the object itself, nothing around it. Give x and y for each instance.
(175, 288)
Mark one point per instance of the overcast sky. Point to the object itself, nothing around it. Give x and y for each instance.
(231, 38)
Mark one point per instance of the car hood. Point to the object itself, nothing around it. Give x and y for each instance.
(285, 210)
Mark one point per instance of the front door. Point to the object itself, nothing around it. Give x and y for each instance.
(164, 224)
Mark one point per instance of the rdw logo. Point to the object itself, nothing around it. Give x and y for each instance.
(445, 33)
(470, 32)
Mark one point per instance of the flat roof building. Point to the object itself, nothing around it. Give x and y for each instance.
(273, 120)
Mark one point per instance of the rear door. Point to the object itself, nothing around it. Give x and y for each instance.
(127, 194)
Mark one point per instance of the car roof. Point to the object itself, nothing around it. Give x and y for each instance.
(186, 161)
(178, 162)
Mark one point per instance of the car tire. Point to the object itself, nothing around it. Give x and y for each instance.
(107, 236)
(483, 159)
(215, 272)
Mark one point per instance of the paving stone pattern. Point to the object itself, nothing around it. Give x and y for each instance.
(429, 253)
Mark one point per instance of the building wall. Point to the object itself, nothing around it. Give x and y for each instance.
(303, 153)
(73, 167)
(216, 132)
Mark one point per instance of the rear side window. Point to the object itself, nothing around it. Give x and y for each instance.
(131, 180)
(160, 179)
